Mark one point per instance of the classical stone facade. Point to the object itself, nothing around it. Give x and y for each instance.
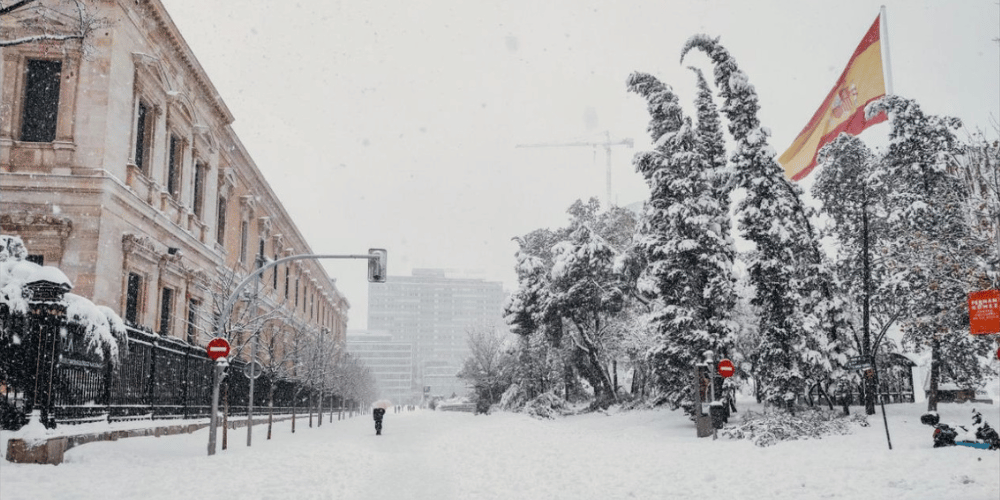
(119, 166)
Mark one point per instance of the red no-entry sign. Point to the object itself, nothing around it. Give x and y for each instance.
(218, 348)
(726, 368)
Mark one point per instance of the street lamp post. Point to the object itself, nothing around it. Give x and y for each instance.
(376, 258)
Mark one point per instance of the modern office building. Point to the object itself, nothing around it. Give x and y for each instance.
(391, 364)
(434, 313)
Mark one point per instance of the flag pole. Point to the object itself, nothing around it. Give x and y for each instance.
(886, 62)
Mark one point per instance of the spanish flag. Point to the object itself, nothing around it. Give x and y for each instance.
(843, 110)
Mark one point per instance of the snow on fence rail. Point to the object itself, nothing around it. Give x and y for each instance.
(156, 378)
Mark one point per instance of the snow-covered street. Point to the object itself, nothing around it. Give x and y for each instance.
(443, 455)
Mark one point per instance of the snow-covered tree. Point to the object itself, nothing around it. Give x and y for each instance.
(979, 168)
(586, 293)
(684, 236)
(545, 303)
(936, 257)
(852, 187)
(488, 368)
(801, 318)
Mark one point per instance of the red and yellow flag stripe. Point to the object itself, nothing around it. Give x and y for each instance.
(843, 110)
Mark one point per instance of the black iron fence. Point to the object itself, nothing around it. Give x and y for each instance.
(156, 377)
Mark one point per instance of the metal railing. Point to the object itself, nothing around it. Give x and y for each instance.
(156, 378)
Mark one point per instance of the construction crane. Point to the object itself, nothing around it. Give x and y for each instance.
(607, 144)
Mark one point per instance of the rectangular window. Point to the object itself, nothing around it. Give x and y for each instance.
(192, 321)
(174, 167)
(286, 281)
(244, 229)
(133, 293)
(143, 137)
(41, 101)
(199, 189)
(274, 276)
(166, 310)
(296, 292)
(220, 230)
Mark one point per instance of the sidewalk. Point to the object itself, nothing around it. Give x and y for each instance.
(52, 448)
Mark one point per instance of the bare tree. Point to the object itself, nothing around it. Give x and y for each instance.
(28, 21)
(488, 367)
(243, 327)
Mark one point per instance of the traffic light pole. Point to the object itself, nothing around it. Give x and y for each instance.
(376, 272)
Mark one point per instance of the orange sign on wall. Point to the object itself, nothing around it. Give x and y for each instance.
(984, 312)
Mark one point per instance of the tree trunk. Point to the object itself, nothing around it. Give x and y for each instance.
(866, 348)
(225, 416)
(932, 397)
(295, 399)
(270, 409)
(604, 387)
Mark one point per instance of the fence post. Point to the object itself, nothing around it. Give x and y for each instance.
(46, 314)
(185, 382)
(108, 379)
(151, 384)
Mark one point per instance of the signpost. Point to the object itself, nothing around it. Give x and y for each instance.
(376, 273)
(726, 368)
(218, 348)
(859, 363)
(253, 370)
(984, 312)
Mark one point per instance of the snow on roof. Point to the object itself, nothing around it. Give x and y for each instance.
(50, 274)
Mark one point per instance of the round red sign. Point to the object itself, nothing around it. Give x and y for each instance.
(218, 348)
(726, 368)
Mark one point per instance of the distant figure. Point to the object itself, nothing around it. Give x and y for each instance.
(377, 414)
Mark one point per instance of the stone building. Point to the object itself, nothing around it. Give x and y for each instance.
(118, 165)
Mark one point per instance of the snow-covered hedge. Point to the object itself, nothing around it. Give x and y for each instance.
(772, 426)
(547, 405)
(102, 329)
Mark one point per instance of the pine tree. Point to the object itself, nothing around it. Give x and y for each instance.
(936, 258)
(852, 189)
(801, 319)
(685, 239)
(587, 293)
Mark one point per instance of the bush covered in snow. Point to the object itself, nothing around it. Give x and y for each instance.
(547, 405)
(514, 398)
(771, 426)
(101, 330)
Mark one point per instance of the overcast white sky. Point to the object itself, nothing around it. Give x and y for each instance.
(394, 123)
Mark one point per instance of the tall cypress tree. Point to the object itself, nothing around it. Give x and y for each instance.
(689, 254)
(801, 319)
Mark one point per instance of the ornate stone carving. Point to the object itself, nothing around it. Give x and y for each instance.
(132, 243)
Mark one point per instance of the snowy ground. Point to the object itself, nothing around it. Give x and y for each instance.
(422, 455)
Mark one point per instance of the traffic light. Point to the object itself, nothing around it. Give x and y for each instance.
(376, 265)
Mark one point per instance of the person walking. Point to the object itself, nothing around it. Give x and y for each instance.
(378, 414)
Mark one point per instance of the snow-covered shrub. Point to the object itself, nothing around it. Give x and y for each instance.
(514, 398)
(12, 248)
(102, 330)
(771, 426)
(548, 405)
